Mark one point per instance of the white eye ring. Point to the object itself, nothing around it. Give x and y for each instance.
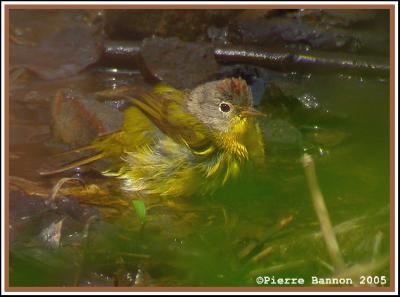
(224, 107)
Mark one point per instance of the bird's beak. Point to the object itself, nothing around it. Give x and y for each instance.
(251, 112)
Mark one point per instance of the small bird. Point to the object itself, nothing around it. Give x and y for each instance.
(178, 143)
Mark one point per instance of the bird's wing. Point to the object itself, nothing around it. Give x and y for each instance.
(165, 108)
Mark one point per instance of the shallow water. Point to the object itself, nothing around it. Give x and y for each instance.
(263, 223)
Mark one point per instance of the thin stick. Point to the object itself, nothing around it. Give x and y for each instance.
(322, 214)
(57, 187)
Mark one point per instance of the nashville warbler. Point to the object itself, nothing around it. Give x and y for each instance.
(178, 143)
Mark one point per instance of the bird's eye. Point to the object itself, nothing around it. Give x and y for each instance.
(224, 107)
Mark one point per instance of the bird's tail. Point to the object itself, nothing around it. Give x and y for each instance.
(74, 164)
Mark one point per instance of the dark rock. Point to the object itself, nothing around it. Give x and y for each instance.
(32, 216)
(186, 24)
(54, 44)
(281, 132)
(283, 31)
(181, 64)
(291, 100)
(336, 17)
(307, 29)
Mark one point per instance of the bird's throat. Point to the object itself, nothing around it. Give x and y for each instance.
(233, 141)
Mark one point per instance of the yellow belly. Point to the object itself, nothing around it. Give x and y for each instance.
(170, 169)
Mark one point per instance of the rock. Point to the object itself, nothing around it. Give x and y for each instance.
(77, 120)
(299, 121)
(306, 29)
(284, 31)
(32, 216)
(294, 101)
(336, 17)
(54, 44)
(187, 24)
(181, 64)
(282, 132)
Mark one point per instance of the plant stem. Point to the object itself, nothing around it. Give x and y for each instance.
(322, 214)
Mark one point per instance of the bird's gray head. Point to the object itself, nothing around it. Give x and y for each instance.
(218, 104)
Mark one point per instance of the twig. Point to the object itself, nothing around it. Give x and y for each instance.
(284, 60)
(369, 268)
(57, 187)
(322, 214)
(377, 244)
